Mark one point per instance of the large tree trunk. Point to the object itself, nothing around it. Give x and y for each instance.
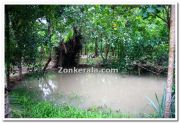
(67, 54)
(169, 82)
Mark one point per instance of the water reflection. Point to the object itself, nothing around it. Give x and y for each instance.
(53, 86)
(46, 86)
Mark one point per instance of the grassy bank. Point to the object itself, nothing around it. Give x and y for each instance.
(24, 104)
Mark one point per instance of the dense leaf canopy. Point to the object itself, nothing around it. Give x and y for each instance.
(119, 33)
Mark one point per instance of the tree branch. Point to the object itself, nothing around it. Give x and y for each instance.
(162, 18)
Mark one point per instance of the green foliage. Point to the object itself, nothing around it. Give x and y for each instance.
(129, 33)
(123, 33)
(25, 105)
(159, 106)
(161, 53)
(68, 35)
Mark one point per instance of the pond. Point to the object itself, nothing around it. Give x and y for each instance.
(125, 93)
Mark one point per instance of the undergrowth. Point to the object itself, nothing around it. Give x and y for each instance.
(24, 104)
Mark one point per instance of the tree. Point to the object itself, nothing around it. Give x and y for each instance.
(23, 45)
(169, 82)
(50, 47)
(7, 44)
(7, 109)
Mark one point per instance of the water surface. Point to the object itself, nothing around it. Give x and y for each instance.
(125, 93)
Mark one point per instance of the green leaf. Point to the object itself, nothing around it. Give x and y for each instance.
(152, 104)
(150, 10)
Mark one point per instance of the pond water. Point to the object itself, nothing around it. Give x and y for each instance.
(125, 93)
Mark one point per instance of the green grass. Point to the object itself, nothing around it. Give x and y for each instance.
(24, 104)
